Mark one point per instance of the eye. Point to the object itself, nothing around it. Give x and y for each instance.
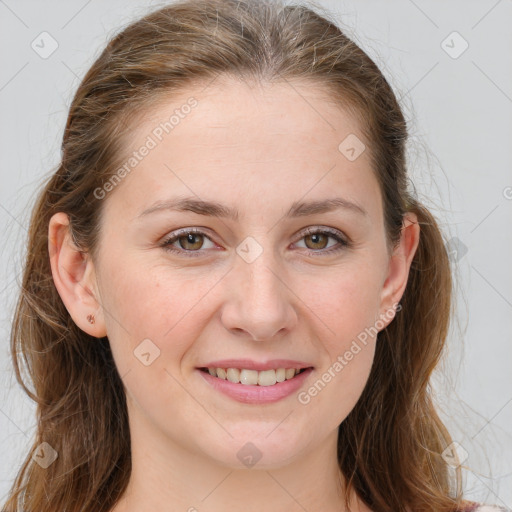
(189, 240)
(316, 240)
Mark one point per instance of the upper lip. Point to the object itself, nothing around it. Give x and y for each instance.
(249, 364)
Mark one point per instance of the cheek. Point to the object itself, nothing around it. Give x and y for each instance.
(347, 302)
(346, 306)
(159, 304)
(153, 317)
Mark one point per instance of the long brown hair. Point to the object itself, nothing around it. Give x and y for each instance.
(390, 444)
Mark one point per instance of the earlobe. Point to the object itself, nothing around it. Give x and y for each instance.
(399, 265)
(74, 277)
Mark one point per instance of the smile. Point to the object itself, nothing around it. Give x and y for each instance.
(254, 377)
(253, 386)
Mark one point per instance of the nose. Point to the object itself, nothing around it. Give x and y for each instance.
(259, 301)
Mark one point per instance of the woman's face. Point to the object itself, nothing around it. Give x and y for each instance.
(253, 288)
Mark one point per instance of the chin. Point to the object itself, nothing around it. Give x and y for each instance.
(259, 447)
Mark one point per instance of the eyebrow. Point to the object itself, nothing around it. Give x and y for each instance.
(215, 209)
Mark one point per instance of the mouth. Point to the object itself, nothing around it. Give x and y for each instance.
(249, 377)
(255, 385)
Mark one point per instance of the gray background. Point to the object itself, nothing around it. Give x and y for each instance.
(459, 109)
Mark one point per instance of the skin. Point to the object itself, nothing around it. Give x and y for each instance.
(258, 148)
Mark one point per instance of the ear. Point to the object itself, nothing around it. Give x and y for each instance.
(399, 265)
(74, 277)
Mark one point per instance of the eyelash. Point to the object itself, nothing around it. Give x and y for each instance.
(344, 243)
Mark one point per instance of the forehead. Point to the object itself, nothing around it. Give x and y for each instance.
(249, 141)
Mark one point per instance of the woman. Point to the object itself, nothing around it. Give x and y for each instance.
(231, 300)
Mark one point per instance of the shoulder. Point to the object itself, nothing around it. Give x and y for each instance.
(488, 508)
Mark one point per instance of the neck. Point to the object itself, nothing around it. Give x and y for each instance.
(169, 477)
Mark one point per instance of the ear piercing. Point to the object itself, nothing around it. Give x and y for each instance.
(90, 319)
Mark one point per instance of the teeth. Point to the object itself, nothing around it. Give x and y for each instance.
(254, 377)
(267, 378)
(249, 377)
(289, 373)
(233, 374)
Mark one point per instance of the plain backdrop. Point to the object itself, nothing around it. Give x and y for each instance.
(451, 67)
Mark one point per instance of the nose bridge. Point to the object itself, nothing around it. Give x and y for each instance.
(255, 262)
(260, 303)
(261, 283)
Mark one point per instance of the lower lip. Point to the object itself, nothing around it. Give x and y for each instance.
(251, 394)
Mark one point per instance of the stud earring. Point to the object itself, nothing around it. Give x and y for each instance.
(90, 319)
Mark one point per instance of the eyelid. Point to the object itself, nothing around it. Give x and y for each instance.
(311, 230)
(175, 235)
